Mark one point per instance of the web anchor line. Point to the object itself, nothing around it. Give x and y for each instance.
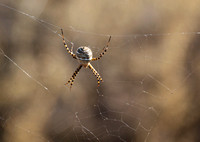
(71, 28)
(105, 111)
(32, 78)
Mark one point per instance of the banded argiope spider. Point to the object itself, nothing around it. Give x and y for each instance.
(84, 56)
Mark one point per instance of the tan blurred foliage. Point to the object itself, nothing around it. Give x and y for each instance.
(167, 65)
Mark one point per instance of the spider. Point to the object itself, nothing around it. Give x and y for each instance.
(84, 56)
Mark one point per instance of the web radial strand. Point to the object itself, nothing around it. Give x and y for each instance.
(145, 76)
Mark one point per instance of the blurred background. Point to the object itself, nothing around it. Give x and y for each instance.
(151, 71)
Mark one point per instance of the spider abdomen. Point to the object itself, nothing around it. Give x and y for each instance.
(84, 55)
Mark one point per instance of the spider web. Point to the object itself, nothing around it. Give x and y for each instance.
(150, 88)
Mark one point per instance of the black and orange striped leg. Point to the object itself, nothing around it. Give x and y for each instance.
(71, 81)
(104, 51)
(67, 48)
(99, 79)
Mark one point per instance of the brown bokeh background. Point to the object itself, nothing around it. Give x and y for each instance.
(151, 82)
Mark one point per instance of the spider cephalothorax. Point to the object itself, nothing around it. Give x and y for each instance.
(84, 56)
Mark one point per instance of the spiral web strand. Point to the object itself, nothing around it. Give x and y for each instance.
(126, 110)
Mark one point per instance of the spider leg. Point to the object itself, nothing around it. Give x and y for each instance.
(68, 50)
(104, 51)
(99, 79)
(71, 81)
(72, 47)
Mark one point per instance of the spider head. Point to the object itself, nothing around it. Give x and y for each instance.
(84, 55)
